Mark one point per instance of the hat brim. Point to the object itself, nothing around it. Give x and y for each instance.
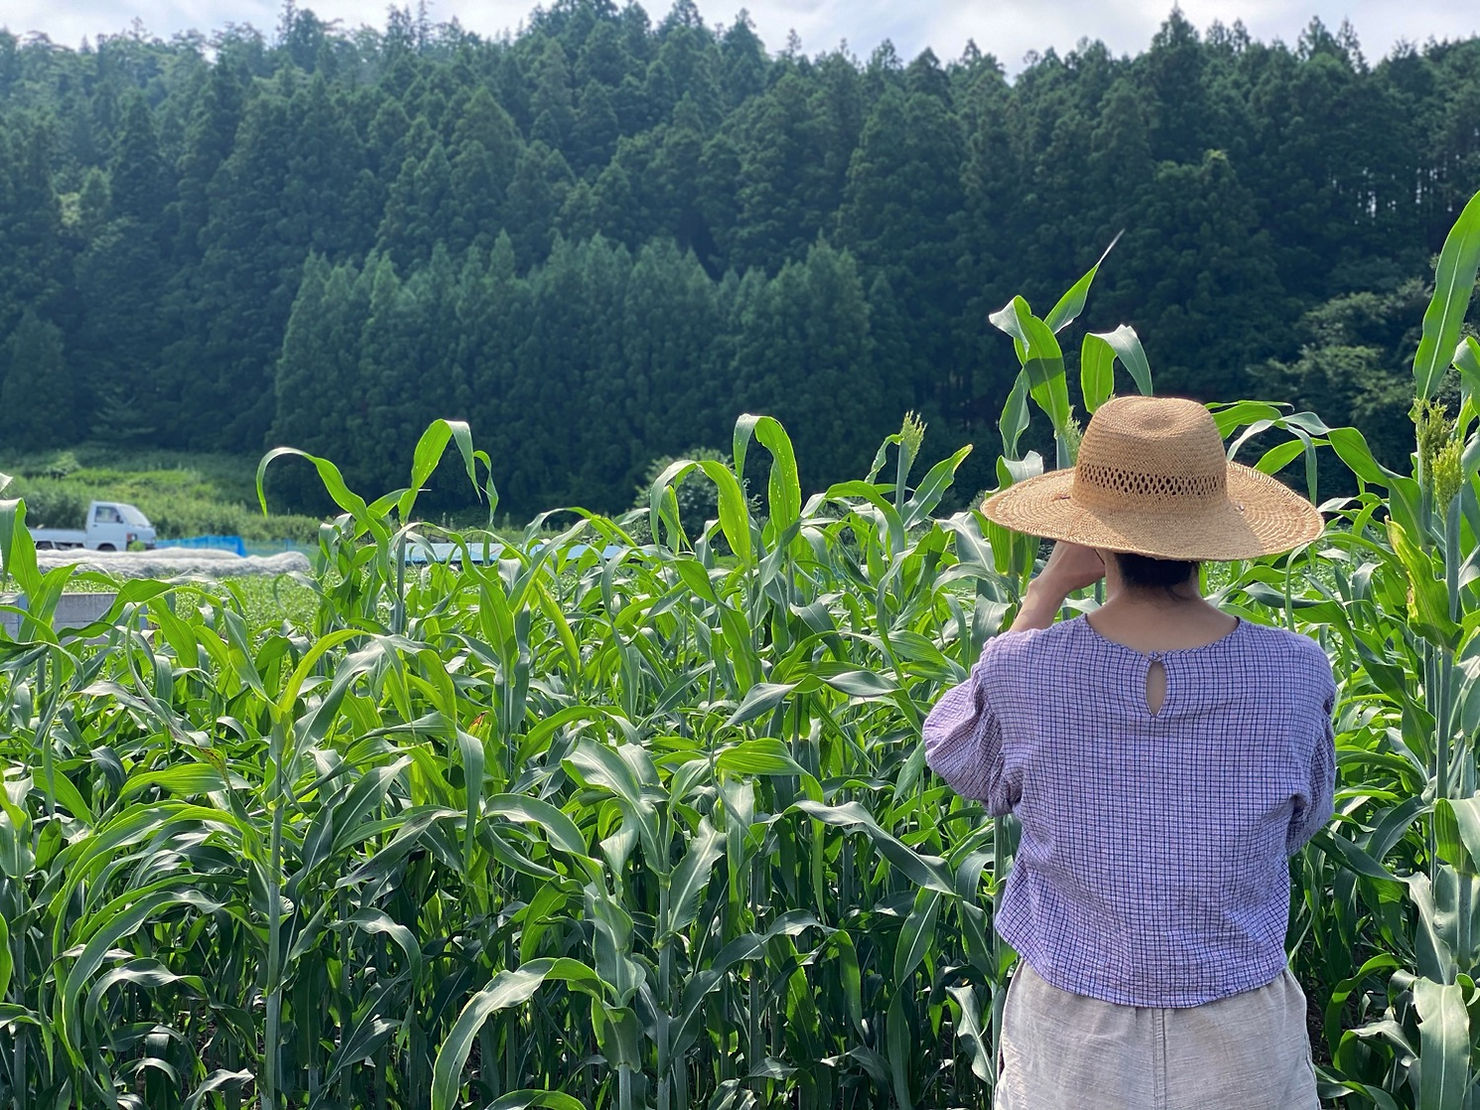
(1259, 516)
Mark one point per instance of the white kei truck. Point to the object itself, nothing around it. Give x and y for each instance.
(110, 526)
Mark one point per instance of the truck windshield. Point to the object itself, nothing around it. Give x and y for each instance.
(134, 517)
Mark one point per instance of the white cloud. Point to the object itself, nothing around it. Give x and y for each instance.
(1006, 28)
(68, 24)
(1011, 28)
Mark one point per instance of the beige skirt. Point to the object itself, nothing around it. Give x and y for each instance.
(1247, 1052)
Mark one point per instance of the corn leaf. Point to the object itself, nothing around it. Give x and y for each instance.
(1071, 304)
(1127, 347)
(1454, 283)
(1444, 1036)
(508, 988)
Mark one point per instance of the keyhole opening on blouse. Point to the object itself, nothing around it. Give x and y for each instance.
(1156, 686)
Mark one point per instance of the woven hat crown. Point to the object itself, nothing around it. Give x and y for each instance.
(1150, 454)
(1151, 477)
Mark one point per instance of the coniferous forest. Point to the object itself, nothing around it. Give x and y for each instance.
(600, 239)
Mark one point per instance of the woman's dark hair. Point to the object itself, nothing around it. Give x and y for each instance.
(1145, 573)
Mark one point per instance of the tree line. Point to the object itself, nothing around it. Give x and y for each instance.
(602, 238)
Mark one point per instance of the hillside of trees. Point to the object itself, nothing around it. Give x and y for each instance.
(601, 239)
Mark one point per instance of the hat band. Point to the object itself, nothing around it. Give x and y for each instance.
(1099, 486)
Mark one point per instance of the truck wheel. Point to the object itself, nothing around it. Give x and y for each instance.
(106, 547)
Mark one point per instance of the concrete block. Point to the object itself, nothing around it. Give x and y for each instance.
(72, 611)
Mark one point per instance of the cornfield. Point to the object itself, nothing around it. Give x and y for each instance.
(599, 823)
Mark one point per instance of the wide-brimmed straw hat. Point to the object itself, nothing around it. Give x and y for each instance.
(1152, 478)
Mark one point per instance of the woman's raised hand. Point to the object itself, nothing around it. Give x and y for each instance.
(1071, 567)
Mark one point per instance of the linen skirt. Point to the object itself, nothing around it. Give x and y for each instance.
(1060, 1050)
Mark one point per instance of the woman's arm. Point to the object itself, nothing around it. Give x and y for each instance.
(963, 741)
(962, 734)
(1314, 807)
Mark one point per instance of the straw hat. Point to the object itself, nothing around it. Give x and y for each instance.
(1152, 479)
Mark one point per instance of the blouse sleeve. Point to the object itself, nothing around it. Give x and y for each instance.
(1314, 807)
(963, 740)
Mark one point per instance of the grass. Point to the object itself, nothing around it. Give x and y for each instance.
(269, 603)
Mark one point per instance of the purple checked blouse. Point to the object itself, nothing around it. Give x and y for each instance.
(1153, 866)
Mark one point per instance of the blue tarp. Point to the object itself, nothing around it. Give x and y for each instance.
(233, 544)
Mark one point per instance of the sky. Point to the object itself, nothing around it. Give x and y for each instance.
(1008, 29)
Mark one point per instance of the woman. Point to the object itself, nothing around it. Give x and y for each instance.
(1164, 759)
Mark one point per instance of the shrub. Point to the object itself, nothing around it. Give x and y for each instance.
(51, 502)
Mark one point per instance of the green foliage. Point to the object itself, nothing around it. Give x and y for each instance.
(36, 387)
(205, 227)
(53, 503)
(447, 835)
(58, 465)
(484, 793)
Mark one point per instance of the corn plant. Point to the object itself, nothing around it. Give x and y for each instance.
(593, 822)
(1399, 609)
(551, 827)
